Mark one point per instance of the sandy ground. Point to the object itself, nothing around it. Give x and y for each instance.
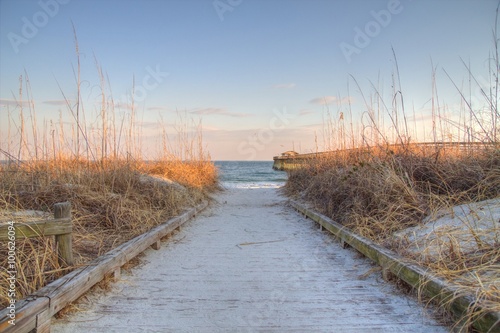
(469, 226)
(250, 264)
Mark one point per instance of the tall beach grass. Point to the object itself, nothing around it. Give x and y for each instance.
(377, 179)
(99, 162)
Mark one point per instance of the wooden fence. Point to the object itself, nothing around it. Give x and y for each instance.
(60, 227)
(34, 313)
(416, 276)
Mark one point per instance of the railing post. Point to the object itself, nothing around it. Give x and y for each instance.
(64, 242)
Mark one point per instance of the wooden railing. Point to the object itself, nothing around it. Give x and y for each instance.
(293, 161)
(60, 227)
(420, 278)
(34, 313)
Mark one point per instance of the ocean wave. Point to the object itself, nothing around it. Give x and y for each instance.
(250, 174)
(251, 185)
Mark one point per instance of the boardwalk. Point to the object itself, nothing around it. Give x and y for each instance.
(251, 264)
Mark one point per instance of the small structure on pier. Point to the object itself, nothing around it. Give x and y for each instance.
(289, 154)
(282, 162)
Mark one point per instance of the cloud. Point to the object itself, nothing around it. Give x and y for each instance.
(11, 102)
(56, 102)
(326, 100)
(284, 86)
(323, 100)
(210, 128)
(157, 108)
(218, 111)
(347, 100)
(304, 112)
(150, 124)
(8, 102)
(125, 106)
(316, 126)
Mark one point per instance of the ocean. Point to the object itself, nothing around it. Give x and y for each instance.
(250, 174)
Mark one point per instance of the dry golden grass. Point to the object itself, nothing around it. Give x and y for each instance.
(197, 174)
(378, 192)
(112, 202)
(96, 161)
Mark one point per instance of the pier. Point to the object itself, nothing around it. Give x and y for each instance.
(291, 160)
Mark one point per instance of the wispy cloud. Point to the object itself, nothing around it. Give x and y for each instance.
(312, 126)
(326, 100)
(285, 86)
(11, 102)
(150, 124)
(8, 102)
(218, 111)
(304, 112)
(158, 108)
(56, 102)
(209, 128)
(125, 106)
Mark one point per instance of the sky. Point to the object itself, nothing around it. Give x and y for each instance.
(260, 77)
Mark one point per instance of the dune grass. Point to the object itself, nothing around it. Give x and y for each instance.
(111, 204)
(100, 163)
(378, 192)
(377, 181)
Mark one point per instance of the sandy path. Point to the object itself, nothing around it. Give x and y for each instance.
(250, 264)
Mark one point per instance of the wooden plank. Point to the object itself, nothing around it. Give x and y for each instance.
(288, 278)
(412, 274)
(38, 228)
(156, 245)
(64, 241)
(43, 320)
(26, 315)
(117, 273)
(75, 284)
(71, 286)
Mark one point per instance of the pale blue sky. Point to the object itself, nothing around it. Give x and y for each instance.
(239, 63)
